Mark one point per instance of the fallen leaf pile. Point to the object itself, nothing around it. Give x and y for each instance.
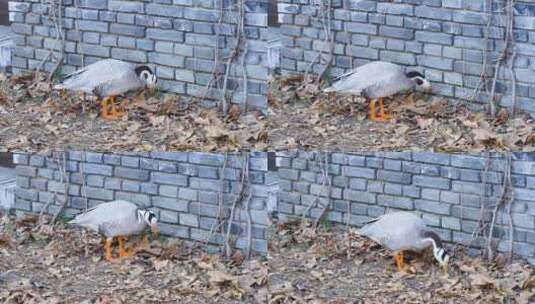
(332, 265)
(302, 117)
(34, 117)
(64, 265)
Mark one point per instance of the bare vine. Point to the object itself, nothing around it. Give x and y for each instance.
(239, 201)
(63, 179)
(325, 12)
(240, 49)
(323, 164)
(55, 14)
(503, 203)
(505, 58)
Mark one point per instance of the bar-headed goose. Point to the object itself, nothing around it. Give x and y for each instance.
(376, 80)
(106, 79)
(400, 231)
(117, 219)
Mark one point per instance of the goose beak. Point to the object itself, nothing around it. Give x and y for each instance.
(427, 87)
(155, 231)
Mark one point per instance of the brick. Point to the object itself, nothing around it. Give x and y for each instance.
(26, 171)
(98, 169)
(129, 30)
(136, 198)
(164, 10)
(170, 203)
(168, 35)
(431, 182)
(432, 206)
(189, 220)
(358, 172)
(395, 202)
(170, 179)
(126, 6)
(359, 196)
(174, 230)
(168, 191)
(395, 177)
(96, 26)
(20, 159)
(135, 174)
(98, 193)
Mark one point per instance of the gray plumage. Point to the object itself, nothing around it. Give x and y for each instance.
(399, 231)
(116, 218)
(108, 77)
(376, 80)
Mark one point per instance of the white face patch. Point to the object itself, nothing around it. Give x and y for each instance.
(148, 78)
(148, 216)
(422, 83)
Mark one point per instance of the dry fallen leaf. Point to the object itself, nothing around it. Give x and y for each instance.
(160, 264)
(219, 277)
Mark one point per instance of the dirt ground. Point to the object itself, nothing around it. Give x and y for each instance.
(35, 118)
(64, 265)
(308, 266)
(324, 266)
(302, 117)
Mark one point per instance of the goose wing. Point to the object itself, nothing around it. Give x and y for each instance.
(107, 72)
(106, 214)
(361, 78)
(396, 230)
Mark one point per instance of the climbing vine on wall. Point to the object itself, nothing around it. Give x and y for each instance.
(502, 13)
(54, 15)
(236, 54)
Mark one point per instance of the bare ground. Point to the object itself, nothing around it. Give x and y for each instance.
(308, 266)
(35, 118)
(64, 265)
(302, 117)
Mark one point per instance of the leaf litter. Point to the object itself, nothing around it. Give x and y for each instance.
(332, 265)
(33, 118)
(63, 264)
(302, 117)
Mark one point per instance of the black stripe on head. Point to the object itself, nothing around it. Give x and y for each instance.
(142, 68)
(413, 74)
(151, 216)
(444, 254)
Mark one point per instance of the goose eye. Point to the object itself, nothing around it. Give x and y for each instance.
(419, 81)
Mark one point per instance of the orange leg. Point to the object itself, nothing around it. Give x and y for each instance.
(114, 112)
(104, 108)
(384, 116)
(107, 247)
(400, 260)
(109, 102)
(122, 251)
(372, 110)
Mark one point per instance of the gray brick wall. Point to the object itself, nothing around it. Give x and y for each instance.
(445, 188)
(444, 38)
(182, 187)
(177, 38)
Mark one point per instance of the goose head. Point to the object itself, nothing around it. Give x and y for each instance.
(150, 219)
(419, 81)
(441, 256)
(147, 76)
